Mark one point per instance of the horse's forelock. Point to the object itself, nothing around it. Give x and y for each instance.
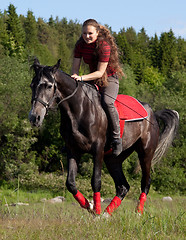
(47, 73)
(42, 71)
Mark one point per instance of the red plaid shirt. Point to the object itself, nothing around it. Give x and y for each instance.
(87, 52)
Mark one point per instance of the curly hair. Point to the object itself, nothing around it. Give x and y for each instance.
(105, 35)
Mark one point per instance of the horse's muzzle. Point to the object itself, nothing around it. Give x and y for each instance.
(35, 120)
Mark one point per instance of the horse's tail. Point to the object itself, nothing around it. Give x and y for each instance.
(170, 120)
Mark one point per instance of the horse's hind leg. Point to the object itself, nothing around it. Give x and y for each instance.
(114, 167)
(145, 162)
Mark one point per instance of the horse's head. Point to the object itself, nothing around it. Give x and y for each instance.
(43, 91)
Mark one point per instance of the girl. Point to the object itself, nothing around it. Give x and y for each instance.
(97, 48)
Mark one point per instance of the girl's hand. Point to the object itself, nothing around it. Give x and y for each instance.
(76, 77)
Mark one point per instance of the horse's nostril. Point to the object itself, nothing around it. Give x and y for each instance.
(38, 118)
(33, 118)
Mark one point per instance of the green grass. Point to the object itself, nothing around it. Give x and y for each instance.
(44, 221)
(14, 196)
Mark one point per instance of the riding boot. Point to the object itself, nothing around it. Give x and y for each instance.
(117, 147)
(116, 142)
(109, 94)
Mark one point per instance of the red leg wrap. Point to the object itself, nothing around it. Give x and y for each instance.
(116, 201)
(82, 200)
(142, 200)
(97, 202)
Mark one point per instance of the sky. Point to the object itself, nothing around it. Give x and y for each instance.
(155, 16)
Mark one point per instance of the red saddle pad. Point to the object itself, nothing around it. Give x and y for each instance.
(129, 109)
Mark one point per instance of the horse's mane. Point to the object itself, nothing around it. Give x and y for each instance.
(84, 84)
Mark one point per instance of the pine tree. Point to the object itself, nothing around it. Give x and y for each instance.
(31, 31)
(14, 26)
(143, 42)
(51, 22)
(3, 35)
(16, 34)
(181, 54)
(167, 52)
(43, 31)
(155, 51)
(125, 49)
(64, 54)
(131, 36)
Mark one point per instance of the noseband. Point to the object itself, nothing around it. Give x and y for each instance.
(46, 105)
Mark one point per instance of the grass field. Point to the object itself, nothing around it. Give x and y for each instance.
(66, 220)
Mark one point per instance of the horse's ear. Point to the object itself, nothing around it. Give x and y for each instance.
(56, 67)
(36, 64)
(36, 61)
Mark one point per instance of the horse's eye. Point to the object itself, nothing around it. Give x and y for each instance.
(49, 87)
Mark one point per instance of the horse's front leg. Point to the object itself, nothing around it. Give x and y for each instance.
(96, 179)
(71, 184)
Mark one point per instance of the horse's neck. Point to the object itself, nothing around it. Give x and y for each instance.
(75, 93)
(66, 85)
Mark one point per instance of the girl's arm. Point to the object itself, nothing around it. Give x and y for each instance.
(102, 66)
(75, 66)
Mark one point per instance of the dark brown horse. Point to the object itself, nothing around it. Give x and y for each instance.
(84, 130)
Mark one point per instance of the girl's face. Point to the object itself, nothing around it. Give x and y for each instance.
(89, 34)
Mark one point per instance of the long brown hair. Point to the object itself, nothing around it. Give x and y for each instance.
(105, 35)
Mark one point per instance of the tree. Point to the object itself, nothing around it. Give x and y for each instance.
(125, 49)
(143, 41)
(181, 54)
(153, 77)
(167, 52)
(51, 22)
(15, 32)
(43, 31)
(64, 54)
(131, 36)
(31, 31)
(154, 48)
(3, 35)
(14, 26)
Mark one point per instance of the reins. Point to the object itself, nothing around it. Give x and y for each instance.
(71, 95)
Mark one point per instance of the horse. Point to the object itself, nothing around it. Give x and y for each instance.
(84, 128)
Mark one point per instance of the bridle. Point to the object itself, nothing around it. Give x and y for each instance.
(46, 105)
(56, 96)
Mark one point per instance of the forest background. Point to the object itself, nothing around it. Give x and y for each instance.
(156, 74)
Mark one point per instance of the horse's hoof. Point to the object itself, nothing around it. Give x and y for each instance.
(91, 206)
(139, 214)
(92, 212)
(106, 215)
